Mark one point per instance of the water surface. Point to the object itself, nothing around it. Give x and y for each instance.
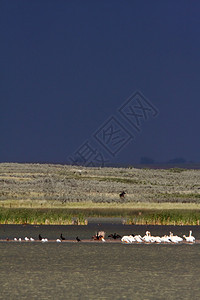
(100, 270)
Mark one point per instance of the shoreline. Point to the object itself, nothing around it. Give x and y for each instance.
(98, 242)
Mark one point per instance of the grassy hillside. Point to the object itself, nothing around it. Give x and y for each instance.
(95, 191)
(31, 184)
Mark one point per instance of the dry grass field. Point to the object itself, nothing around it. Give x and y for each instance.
(70, 187)
(28, 184)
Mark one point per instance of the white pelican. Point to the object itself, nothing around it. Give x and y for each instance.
(147, 237)
(156, 239)
(26, 239)
(138, 238)
(31, 239)
(190, 238)
(126, 239)
(165, 239)
(58, 241)
(15, 239)
(131, 238)
(19, 239)
(175, 238)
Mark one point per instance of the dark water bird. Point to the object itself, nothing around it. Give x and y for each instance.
(77, 238)
(115, 236)
(40, 238)
(62, 237)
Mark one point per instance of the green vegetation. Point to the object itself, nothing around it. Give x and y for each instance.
(79, 216)
(41, 216)
(55, 194)
(166, 217)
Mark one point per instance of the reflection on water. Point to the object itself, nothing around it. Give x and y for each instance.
(97, 271)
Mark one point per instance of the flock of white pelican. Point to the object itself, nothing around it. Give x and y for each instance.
(148, 238)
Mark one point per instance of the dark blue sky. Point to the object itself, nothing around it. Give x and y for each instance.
(68, 66)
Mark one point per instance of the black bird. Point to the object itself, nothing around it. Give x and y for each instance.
(77, 238)
(62, 237)
(40, 238)
(115, 236)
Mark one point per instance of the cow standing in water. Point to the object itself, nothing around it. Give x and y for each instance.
(122, 194)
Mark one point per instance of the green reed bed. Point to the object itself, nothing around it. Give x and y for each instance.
(70, 216)
(165, 217)
(65, 216)
(40, 216)
(146, 216)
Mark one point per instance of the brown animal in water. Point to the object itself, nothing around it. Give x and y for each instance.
(99, 236)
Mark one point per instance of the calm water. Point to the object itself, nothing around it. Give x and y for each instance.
(97, 271)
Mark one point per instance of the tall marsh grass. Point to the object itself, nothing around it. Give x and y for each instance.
(166, 217)
(79, 216)
(41, 216)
